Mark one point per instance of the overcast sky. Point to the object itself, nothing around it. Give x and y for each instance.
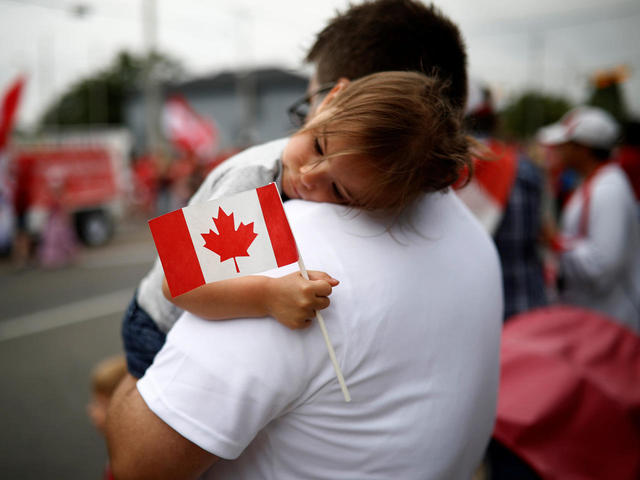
(513, 45)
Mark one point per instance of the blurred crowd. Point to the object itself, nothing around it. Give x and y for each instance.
(563, 210)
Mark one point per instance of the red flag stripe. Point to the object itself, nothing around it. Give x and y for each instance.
(177, 253)
(280, 235)
(8, 109)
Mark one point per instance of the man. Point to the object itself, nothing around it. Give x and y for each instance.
(383, 35)
(415, 325)
(599, 246)
(506, 196)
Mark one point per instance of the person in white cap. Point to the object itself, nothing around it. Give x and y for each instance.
(599, 241)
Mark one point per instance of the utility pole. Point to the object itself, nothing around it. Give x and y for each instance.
(151, 88)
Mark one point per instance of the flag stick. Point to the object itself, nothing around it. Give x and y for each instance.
(325, 334)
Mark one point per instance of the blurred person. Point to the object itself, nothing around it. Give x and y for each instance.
(26, 236)
(59, 245)
(506, 196)
(416, 38)
(448, 440)
(105, 377)
(7, 220)
(599, 239)
(145, 183)
(627, 155)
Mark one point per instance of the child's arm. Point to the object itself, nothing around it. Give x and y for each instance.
(292, 300)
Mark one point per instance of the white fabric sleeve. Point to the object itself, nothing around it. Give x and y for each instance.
(597, 259)
(219, 383)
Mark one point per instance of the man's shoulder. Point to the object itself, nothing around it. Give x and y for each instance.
(435, 217)
(248, 169)
(265, 155)
(612, 181)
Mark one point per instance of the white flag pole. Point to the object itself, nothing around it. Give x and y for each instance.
(325, 334)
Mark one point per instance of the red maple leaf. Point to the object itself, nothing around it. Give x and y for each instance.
(229, 242)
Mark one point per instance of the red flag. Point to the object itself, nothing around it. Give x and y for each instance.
(196, 243)
(488, 192)
(9, 107)
(188, 130)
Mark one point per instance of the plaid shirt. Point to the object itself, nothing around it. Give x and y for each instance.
(517, 239)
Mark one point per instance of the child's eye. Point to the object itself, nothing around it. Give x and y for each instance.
(317, 147)
(338, 194)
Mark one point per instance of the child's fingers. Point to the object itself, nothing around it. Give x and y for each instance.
(303, 321)
(321, 288)
(322, 302)
(306, 323)
(317, 275)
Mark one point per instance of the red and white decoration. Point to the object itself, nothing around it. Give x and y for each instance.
(188, 130)
(224, 238)
(8, 109)
(487, 193)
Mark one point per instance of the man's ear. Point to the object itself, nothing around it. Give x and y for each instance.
(337, 88)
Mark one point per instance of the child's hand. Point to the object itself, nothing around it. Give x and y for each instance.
(293, 300)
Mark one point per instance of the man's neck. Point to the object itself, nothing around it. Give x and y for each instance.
(588, 166)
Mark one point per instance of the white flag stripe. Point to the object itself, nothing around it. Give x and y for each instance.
(246, 209)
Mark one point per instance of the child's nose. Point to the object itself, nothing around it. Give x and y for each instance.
(311, 175)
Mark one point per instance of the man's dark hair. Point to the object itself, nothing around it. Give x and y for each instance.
(402, 35)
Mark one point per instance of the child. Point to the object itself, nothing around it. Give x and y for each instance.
(59, 246)
(376, 143)
(105, 377)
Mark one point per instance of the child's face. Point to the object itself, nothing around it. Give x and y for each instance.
(308, 176)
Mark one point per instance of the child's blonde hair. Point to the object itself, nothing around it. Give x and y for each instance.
(406, 129)
(106, 376)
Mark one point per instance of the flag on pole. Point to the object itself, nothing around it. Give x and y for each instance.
(224, 238)
(230, 237)
(188, 130)
(488, 192)
(8, 109)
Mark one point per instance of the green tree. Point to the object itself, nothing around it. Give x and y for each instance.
(609, 97)
(522, 118)
(99, 98)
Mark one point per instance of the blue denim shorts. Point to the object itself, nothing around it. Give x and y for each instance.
(141, 337)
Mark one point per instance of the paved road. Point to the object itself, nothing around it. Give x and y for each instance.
(54, 327)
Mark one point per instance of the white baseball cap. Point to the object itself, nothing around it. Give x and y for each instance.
(589, 126)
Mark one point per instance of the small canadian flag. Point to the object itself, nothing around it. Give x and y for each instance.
(224, 238)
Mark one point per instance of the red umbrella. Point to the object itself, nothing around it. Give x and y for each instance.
(569, 400)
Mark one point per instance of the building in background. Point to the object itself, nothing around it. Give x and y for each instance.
(248, 106)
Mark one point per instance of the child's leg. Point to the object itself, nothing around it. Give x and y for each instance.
(141, 337)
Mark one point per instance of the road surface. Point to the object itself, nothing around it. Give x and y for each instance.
(55, 325)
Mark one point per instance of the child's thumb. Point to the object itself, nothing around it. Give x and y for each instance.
(316, 275)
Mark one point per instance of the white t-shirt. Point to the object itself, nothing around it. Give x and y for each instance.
(602, 270)
(415, 323)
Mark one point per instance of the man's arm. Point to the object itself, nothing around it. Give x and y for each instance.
(142, 446)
